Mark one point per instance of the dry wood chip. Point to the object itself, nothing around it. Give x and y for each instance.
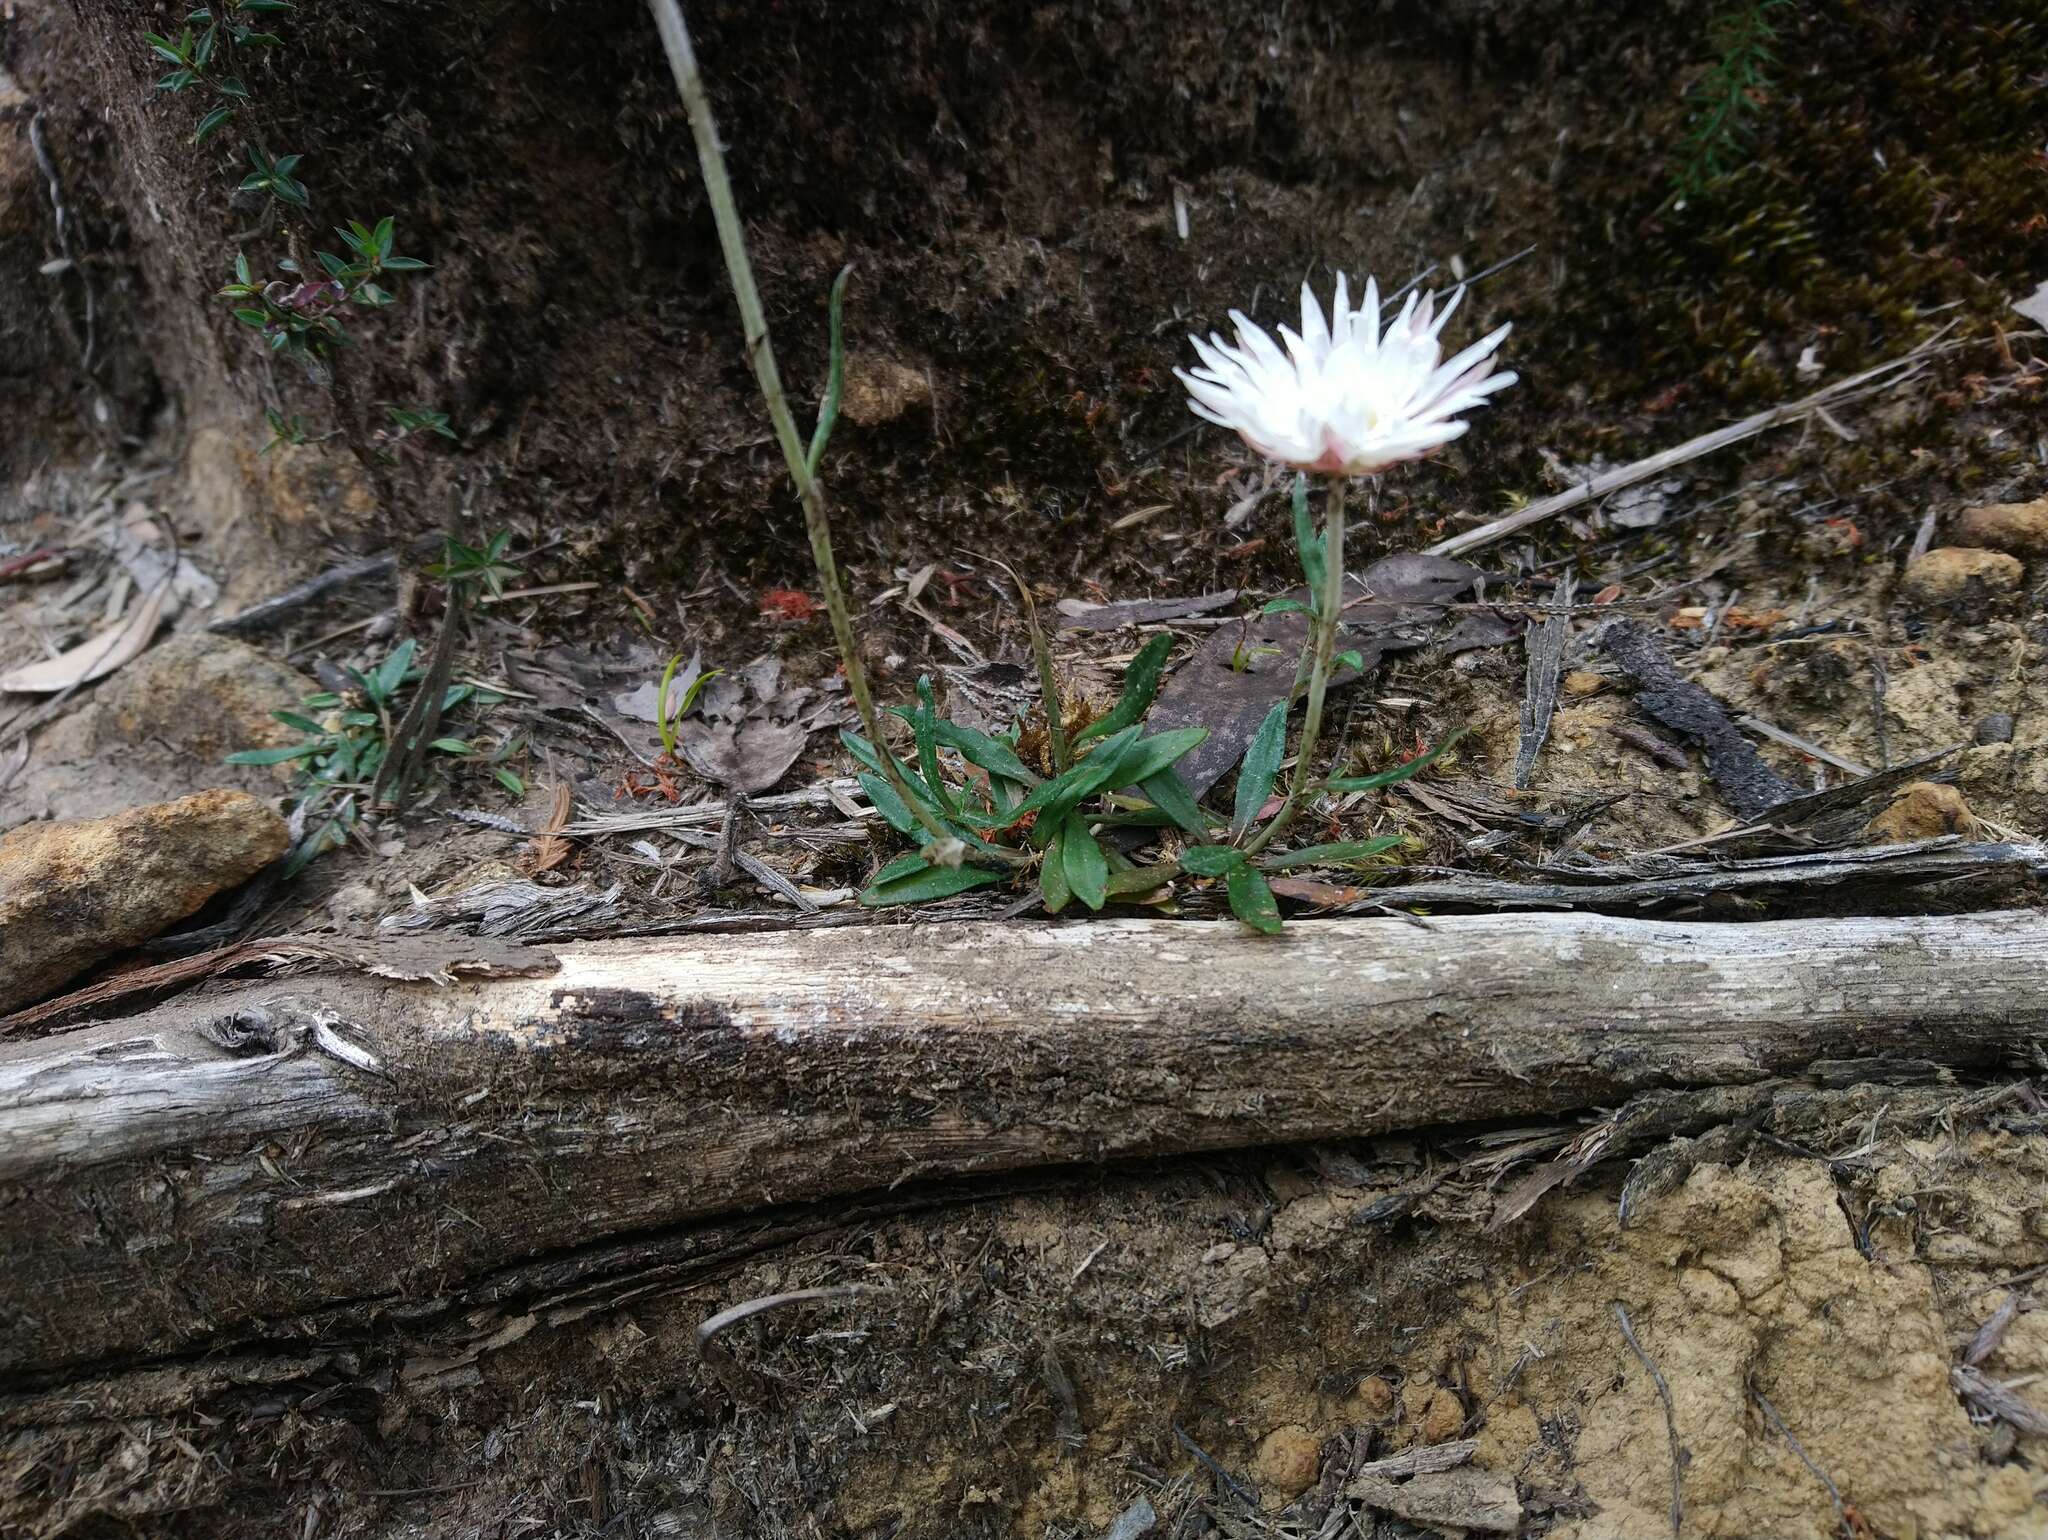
(1461, 1499)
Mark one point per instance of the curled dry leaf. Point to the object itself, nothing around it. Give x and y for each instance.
(95, 659)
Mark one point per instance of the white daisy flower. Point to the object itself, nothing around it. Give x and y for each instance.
(1345, 398)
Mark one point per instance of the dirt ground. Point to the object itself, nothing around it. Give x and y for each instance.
(1223, 1340)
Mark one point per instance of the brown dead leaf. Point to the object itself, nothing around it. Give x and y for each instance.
(97, 658)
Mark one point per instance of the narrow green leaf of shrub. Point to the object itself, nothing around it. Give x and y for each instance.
(1139, 879)
(403, 265)
(510, 781)
(1003, 792)
(924, 728)
(1283, 607)
(303, 724)
(1211, 860)
(1149, 756)
(1252, 901)
(1332, 855)
(1396, 775)
(1053, 889)
(1352, 659)
(923, 887)
(1141, 684)
(1261, 765)
(1306, 541)
(992, 754)
(902, 866)
(1082, 859)
(229, 85)
(451, 746)
(1058, 795)
(1169, 794)
(835, 374)
(887, 803)
(272, 756)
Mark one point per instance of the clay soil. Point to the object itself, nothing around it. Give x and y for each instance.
(1039, 202)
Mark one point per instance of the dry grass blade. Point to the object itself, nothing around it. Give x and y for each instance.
(1656, 464)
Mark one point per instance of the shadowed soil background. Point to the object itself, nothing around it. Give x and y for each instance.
(1039, 202)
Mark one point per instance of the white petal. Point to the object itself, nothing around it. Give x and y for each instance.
(1450, 309)
(1315, 332)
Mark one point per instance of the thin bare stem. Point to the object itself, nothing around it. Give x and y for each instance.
(1329, 609)
(675, 40)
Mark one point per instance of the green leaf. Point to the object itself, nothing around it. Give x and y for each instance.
(451, 746)
(1141, 684)
(902, 866)
(1343, 660)
(510, 781)
(1261, 765)
(1252, 901)
(924, 726)
(1336, 854)
(228, 85)
(166, 50)
(214, 120)
(289, 191)
(991, 754)
(1166, 792)
(887, 803)
(1306, 541)
(381, 236)
(262, 7)
(835, 374)
(1148, 756)
(203, 54)
(1053, 889)
(272, 756)
(933, 882)
(249, 316)
(1396, 775)
(1083, 862)
(372, 295)
(299, 723)
(1211, 860)
(403, 265)
(177, 80)
(391, 672)
(242, 272)
(1057, 796)
(1142, 879)
(1284, 607)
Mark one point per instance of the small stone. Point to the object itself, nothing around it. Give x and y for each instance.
(1924, 810)
(1583, 682)
(2020, 528)
(1949, 572)
(73, 893)
(1376, 1395)
(1287, 1462)
(1996, 728)
(879, 389)
(203, 694)
(1444, 1420)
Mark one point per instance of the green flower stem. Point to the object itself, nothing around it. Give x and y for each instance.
(1329, 608)
(675, 39)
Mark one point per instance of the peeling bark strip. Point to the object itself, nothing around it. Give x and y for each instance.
(234, 1170)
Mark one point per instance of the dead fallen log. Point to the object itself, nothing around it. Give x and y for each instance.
(245, 1170)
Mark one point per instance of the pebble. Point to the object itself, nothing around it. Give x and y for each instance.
(1924, 810)
(1947, 573)
(2020, 528)
(1287, 1461)
(1995, 728)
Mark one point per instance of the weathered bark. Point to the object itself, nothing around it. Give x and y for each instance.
(247, 1169)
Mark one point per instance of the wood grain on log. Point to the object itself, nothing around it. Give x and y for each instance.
(231, 1171)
